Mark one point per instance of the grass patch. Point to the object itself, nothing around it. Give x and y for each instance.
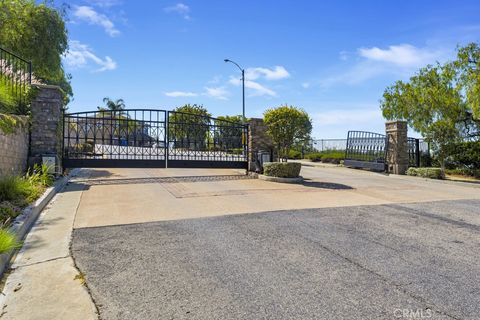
(469, 173)
(8, 241)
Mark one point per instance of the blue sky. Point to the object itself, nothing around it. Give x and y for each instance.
(332, 58)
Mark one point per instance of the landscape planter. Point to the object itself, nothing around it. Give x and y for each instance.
(279, 179)
(25, 220)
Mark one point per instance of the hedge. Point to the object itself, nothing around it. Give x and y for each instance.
(330, 156)
(282, 169)
(432, 173)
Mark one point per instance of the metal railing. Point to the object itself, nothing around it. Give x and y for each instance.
(319, 145)
(15, 75)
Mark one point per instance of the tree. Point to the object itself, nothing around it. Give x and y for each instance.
(111, 105)
(188, 126)
(287, 125)
(37, 32)
(228, 132)
(440, 102)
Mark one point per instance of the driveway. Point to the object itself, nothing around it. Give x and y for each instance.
(215, 245)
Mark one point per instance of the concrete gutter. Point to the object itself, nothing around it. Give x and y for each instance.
(24, 222)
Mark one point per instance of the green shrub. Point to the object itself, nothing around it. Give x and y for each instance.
(282, 169)
(431, 173)
(8, 241)
(465, 154)
(328, 156)
(314, 156)
(333, 156)
(412, 171)
(294, 154)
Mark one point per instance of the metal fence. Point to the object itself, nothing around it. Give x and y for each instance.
(15, 75)
(366, 150)
(319, 145)
(418, 153)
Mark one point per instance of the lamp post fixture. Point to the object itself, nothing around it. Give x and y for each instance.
(243, 87)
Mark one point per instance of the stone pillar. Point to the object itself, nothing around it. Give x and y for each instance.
(257, 140)
(397, 147)
(47, 123)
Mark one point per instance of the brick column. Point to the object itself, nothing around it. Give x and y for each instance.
(47, 121)
(397, 148)
(257, 140)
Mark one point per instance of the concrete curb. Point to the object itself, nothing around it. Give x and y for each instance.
(281, 180)
(24, 222)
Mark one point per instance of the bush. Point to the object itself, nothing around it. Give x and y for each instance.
(327, 156)
(294, 154)
(465, 155)
(333, 156)
(314, 156)
(431, 173)
(282, 169)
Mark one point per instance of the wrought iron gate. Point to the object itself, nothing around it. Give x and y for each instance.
(369, 150)
(366, 150)
(152, 138)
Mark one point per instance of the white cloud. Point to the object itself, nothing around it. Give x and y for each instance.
(217, 93)
(181, 9)
(398, 60)
(258, 89)
(89, 15)
(176, 94)
(359, 73)
(306, 85)
(276, 73)
(260, 73)
(80, 55)
(404, 55)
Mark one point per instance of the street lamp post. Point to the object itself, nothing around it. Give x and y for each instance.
(243, 87)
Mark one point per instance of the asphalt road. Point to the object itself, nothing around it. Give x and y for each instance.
(398, 261)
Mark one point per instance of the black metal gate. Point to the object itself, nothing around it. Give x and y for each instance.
(366, 150)
(369, 150)
(153, 139)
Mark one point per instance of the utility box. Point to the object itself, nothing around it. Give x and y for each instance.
(50, 162)
(262, 157)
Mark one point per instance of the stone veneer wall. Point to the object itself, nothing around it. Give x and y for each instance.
(257, 140)
(47, 122)
(14, 149)
(397, 151)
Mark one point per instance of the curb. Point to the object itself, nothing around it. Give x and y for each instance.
(24, 222)
(281, 180)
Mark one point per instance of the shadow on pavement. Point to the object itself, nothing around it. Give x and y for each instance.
(325, 185)
(163, 179)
